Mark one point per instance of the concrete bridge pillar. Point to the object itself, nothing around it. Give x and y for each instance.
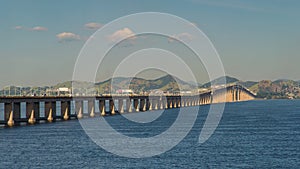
(78, 109)
(235, 94)
(32, 111)
(182, 102)
(8, 114)
(174, 103)
(150, 104)
(142, 104)
(170, 103)
(65, 109)
(189, 102)
(156, 103)
(128, 105)
(50, 111)
(112, 107)
(161, 104)
(166, 103)
(91, 107)
(16, 111)
(136, 105)
(179, 102)
(121, 106)
(238, 95)
(102, 107)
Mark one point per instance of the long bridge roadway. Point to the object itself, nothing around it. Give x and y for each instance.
(72, 107)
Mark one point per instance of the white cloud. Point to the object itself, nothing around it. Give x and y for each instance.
(67, 36)
(92, 26)
(182, 37)
(39, 28)
(120, 34)
(18, 27)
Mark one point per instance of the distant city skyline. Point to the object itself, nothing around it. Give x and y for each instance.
(40, 40)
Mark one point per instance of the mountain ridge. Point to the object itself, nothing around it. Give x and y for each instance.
(281, 88)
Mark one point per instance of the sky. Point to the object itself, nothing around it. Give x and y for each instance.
(40, 40)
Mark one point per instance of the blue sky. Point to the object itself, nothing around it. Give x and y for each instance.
(40, 40)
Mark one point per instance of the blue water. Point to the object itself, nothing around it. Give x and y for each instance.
(255, 134)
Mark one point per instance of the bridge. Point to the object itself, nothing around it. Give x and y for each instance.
(51, 108)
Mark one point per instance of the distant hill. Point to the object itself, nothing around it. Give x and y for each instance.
(248, 84)
(220, 81)
(165, 83)
(282, 88)
(277, 89)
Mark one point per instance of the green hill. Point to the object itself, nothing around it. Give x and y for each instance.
(221, 81)
(165, 83)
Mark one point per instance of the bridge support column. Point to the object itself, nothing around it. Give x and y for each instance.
(50, 111)
(136, 105)
(129, 105)
(150, 104)
(161, 104)
(102, 107)
(166, 103)
(188, 102)
(121, 106)
(16, 111)
(143, 104)
(233, 94)
(65, 109)
(91, 107)
(238, 95)
(78, 109)
(32, 110)
(9, 114)
(175, 103)
(112, 107)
